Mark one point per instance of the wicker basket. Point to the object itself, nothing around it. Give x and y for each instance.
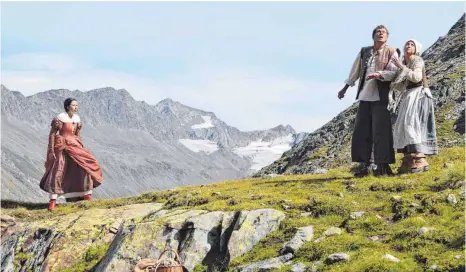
(168, 265)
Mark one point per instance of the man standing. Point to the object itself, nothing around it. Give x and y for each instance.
(373, 129)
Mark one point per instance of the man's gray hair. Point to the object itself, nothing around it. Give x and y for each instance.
(379, 27)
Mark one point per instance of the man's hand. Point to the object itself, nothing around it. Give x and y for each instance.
(341, 93)
(374, 75)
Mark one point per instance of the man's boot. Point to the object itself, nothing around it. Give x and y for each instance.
(383, 169)
(363, 171)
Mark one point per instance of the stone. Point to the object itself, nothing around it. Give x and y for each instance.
(332, 231)
(355, 215)
(452, 199)
(251, 227)
(425, 230)
(337, 257)
(390, 258)
(302, 236)
(299, 267)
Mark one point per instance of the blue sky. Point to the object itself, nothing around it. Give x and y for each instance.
(254, 64)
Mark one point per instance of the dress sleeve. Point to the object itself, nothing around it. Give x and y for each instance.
(54, 127)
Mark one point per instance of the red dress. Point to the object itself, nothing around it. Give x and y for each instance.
(74, 171)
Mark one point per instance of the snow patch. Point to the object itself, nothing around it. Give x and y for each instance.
(207, 123)
(265, 153)
(206, 146)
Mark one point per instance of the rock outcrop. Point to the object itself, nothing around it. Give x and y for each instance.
(116, 239)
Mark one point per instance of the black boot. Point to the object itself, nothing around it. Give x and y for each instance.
(363, 170)
(383, 169)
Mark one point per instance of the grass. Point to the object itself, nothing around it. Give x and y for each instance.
(444, 129)
(329, 198)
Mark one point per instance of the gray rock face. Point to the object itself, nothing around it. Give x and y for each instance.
(329, 146)
(8, 253)
(212, 239)
(200, 237)
(140, 147)
(302, 236)
(37, 249)
(265, 265)
(252, 226)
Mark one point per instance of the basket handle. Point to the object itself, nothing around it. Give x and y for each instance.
(163, 252)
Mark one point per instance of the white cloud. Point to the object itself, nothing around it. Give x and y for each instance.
(244, 97)
(52, 62)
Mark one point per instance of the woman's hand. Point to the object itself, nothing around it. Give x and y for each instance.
(52, 155)
(397, 62)
(374, 75)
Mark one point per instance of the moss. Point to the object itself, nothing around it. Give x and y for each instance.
(320, 152)
(398, 186)
(458, 74)
(200, 268)
(368, 225)
(89, 259)
(21, 258)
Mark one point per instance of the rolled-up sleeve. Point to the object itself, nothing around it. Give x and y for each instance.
(355, 71)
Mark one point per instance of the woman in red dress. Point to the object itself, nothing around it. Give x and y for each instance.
(71, 170)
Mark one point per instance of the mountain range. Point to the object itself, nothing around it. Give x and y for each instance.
(140, 147)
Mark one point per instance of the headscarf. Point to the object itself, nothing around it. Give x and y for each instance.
(418, 46)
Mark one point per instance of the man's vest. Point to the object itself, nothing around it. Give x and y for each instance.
(381, 62)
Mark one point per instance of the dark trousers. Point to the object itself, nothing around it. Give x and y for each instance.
(373, 129)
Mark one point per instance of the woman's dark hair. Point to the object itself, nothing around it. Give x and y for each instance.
(68, 102)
